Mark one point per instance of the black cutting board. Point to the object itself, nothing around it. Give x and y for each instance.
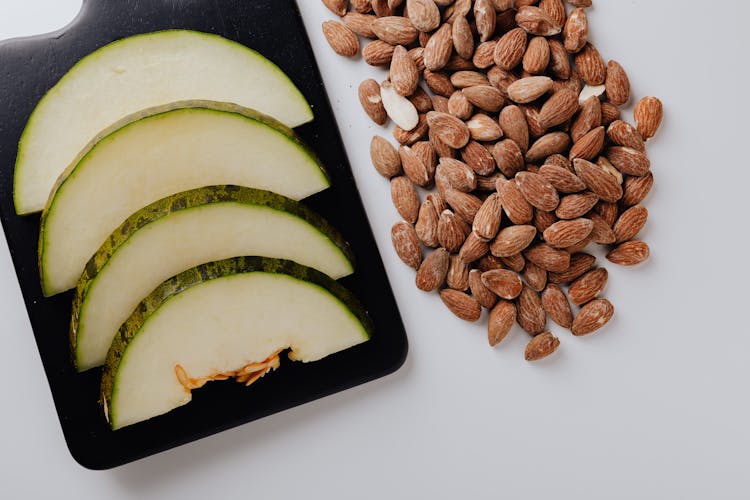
(31, 66)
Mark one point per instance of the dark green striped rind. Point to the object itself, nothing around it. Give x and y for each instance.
(186, 200)
(216, 270)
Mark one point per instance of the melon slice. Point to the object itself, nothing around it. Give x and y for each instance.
(181, 232)
(157, 153)
(224, 319)
(136, 73)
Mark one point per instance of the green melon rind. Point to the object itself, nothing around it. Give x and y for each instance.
(97, 53)
(131, 120)
(222, 269)
(195, 198)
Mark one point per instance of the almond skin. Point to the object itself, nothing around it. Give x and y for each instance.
(395, 30)
(599, 181)
(529, 89)
(559, 61)
(624, 134)
(557, 305)
(536, 22)
(405, 198)
(403, 74)
(547, 145)
(535, 276)
(530, 313)
(485, 19)
(558, 109)
(589, 146)
(457, 174)
(590, 65)
(546, 257)
(576, 205)
(580, 263)
(438, 50)
(513, 123)
(636, 189)
(630, 223)
(488, 218)
(461, 304)
(602, 232)
(431, 274)
(510, 49)
(589, 117)
(406, 244)
(479, 159)
(449, 129)
(501, 320)
(503, 283)
(541, 346)
(588, 287)
(537, 191)
(480, 292)
(512, 240)
(592, 316)
(536, 58)
(514, 204)
(464, 205)
(563, 180)
(617, 84)
(485, 97)
(458, 273)
(576, 31)
(648, 114)
(360, 23)
(629, 161)
(630, 253)
(384, 157)
(565, 233)
(474, 248)
(378, 53)
(423, 14)
(338, 7)
(463, 39)
(508, 157)
(514, 262)
(372, 103)
(427, 223)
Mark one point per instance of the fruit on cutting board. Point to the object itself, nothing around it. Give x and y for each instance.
(224, 319)
(183, 231)
(157, 153)
(140, 72)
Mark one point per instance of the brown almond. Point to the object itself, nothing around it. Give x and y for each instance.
(423, 14)
(514, 204)
(636, 189)
(608, 211)
(508, 157)
(452, 231)
(456, 8)
(489, 262)
(630, 223)
(488, 182)
(630, 253)
(464, 79)
(372, 103)
(488, 218)
(501, 79)
(427, 224)
(580, 263)
(557, 306)
(610, 113)
(338, 7)
(541, 346)
(479, 159)
(410, 137)
(512, 240)
(510, 49)
(551, 259)
(463, 39)
(484, 55)
(405, 198)
(565, 233)
(589, 117)
(628, 161)
(458, 174)
(589, 146)
(537, 191)
(440, 103)
(464, 205)
(461, 304)
(529, 89)
(503, 283)
(431, 274)
(563, 180)
(483, 128)
(543, 220)
(426, 154)
(590, 65)
(480, 292)
(441, 148)
(537, 55)
(576, 31)
(559, 61)
(514, 262)
(359, 23)
(602, 232)
(384, 157)
(579, 3)
(648, 114)
(485, 97)
(624, 134)
(558, 109)
(536, 21)
(535, 276)
(395, 30)
(413, 167)
(530, 313)
(485, 19)
(381, 8)
(474, 248)
(458, 273)
(501, 320)
(513, 123)
(592, 316)
(449, 129)
(555, 9)
(576, 205)
(617, 84)
(548, 145)
(588, 287)
(437, 202)
(361, 6)
(598, 180)
(406, 244)
(378, 53)
(439, 48)
(421, 100)
(403, 73)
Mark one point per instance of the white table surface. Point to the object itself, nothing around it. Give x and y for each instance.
(654, 406)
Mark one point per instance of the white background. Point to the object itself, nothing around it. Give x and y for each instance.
(654, 406)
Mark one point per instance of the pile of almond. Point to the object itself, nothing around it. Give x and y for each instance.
(520, 134)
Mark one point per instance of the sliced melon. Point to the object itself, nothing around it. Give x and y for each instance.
(140, 72)
(157, 153)
(181, 232)
(224, 319)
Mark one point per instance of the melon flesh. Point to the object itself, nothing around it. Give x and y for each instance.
(140, 72)
(220, 326)
(162, 154)
(158, 250)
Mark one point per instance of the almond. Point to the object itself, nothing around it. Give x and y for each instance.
(439, 84)
(515, 262)
(629, 161)
(590, 65)
(479, 159)
(576, 205)
(484, 55)
(636, 189)
(480, 292)
(598, 180)
(558, 109)
(546, 257)
(406, 244)
(463, 39)
(427, 224)
(384, 157)
(588, 146)
(361, 24)
(557, 306)
(488, 218)
(513, 123)
(338, 7)
(458, 273)
(543, 220)
(529, 89)
(536, 22)
(423, 14)
(464, 205)
(438, 50)
(512, 240)
(559, 161)
(463, 79)
(559, 61)
(630, 223)
(474, 248)
(580, 263)
(648, 114)
(537, 191)
(592, 316)
(514, 204)
(565, 233)
(395, 30)
(449, 129)
(377, 53)
(508, 157)
(503, 283)
(610, 113)
(458, 174)
(372, 103)
(485, 97)
(405, 198)
(489, 262)
(510, 48)
(426, 154)
(555, 9)
(630, 253)
(608, 211)
(501, 320)
(403, 74)
(602, 232)
(488, 182)
(563, 180)
(588, 287)
(579, 3)
(461, 304)
(440, 103)
(541, 346)
(501, 79)
(530, 313)
(589, 117)
(537, 55)
(413, 167)
(624, 134)
(421, 100)
(485, 19)
(535, 276)
(417, 55)
(605, 164)
(457, 8)
(431, 274)
(547, 145)
(452, 231)
(617, 84)
(381, 8)
(576, 31)
(410, 137)
(437, 202)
